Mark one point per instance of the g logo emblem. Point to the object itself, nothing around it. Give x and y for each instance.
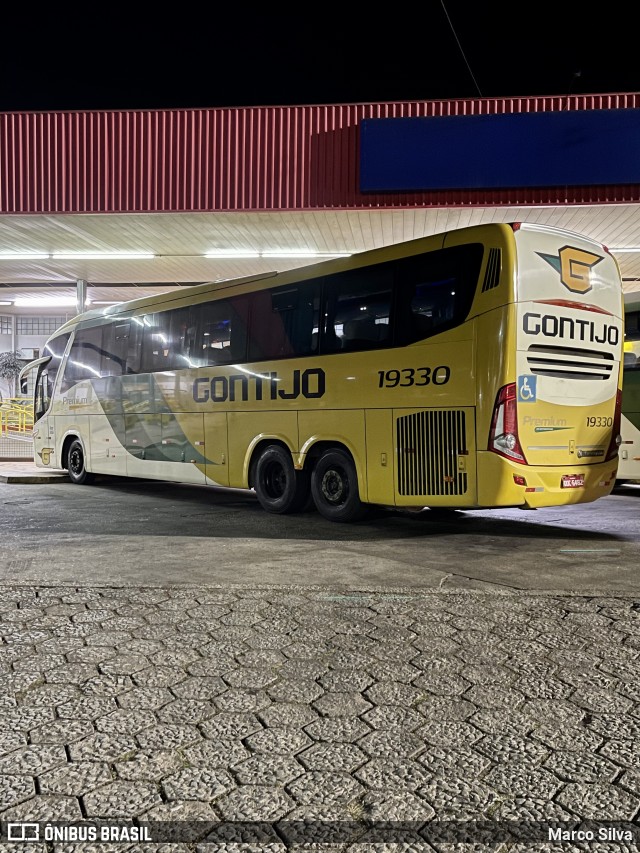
(574, 266)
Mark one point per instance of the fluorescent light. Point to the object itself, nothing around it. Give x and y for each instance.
(274, 253)
(103, 256)
(100, 302)
(302, 253)
(44, 301)
(626, 249)
(231, 253)
(23, 256)
(6, 303)
(289, 253)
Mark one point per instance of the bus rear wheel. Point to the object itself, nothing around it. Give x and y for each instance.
(278, 486)
(76, 464)
(334, 486)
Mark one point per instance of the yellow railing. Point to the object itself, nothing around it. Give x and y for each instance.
(16, 415)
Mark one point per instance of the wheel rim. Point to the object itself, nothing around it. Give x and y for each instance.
(334, 486)
(75, 462)
(275, 480)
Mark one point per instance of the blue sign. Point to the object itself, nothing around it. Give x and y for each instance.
(527, 389)
(549, 149)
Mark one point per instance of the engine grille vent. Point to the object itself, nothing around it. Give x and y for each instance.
(428, 447)
(569, 362)
(492, 273)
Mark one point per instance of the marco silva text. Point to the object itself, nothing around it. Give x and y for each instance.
(602, 833)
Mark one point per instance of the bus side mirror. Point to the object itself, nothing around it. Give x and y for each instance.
(23, 385)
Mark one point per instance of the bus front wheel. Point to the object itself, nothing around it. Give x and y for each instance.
(278, 486)
(334, 486)
(76, 464)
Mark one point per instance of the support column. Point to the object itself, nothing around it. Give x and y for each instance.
(13, 389)
(81, 296)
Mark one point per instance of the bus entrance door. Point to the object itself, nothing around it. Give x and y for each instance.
(182, 441)
(216, 447)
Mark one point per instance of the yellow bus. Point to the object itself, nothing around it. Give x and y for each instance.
(475, 368)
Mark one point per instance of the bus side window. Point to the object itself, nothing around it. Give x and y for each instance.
(180, 337)
(284, 322)
(357, 310)
(155, 343)
(115, 339)
(131, 345)
(84, 359)
(221, 332)
(435, 290)
(422, 324)
(364, 333)
(55, 348)
(165, 341)
(42, 394)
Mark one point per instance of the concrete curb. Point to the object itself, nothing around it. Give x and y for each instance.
(15, 472)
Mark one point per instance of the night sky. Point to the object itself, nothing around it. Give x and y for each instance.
(105, 57)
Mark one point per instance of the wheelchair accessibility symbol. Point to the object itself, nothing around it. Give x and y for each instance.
(527, 389)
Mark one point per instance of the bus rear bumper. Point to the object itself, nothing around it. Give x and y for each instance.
(505, 483)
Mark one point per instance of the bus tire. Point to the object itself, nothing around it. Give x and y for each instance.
(334, 486)
(278, 486)
(76, 464)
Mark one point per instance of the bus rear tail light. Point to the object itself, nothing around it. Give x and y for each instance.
(616, 438)
(503, 437)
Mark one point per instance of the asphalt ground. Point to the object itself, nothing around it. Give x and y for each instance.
(177, 662)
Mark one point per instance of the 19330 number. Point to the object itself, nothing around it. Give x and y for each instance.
(599, 422)
(406, 376)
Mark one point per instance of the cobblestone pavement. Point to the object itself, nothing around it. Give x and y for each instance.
(249, 711)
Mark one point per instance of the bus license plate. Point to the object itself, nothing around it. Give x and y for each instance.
(572, 481)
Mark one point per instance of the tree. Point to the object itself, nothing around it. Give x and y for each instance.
(10, 367)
